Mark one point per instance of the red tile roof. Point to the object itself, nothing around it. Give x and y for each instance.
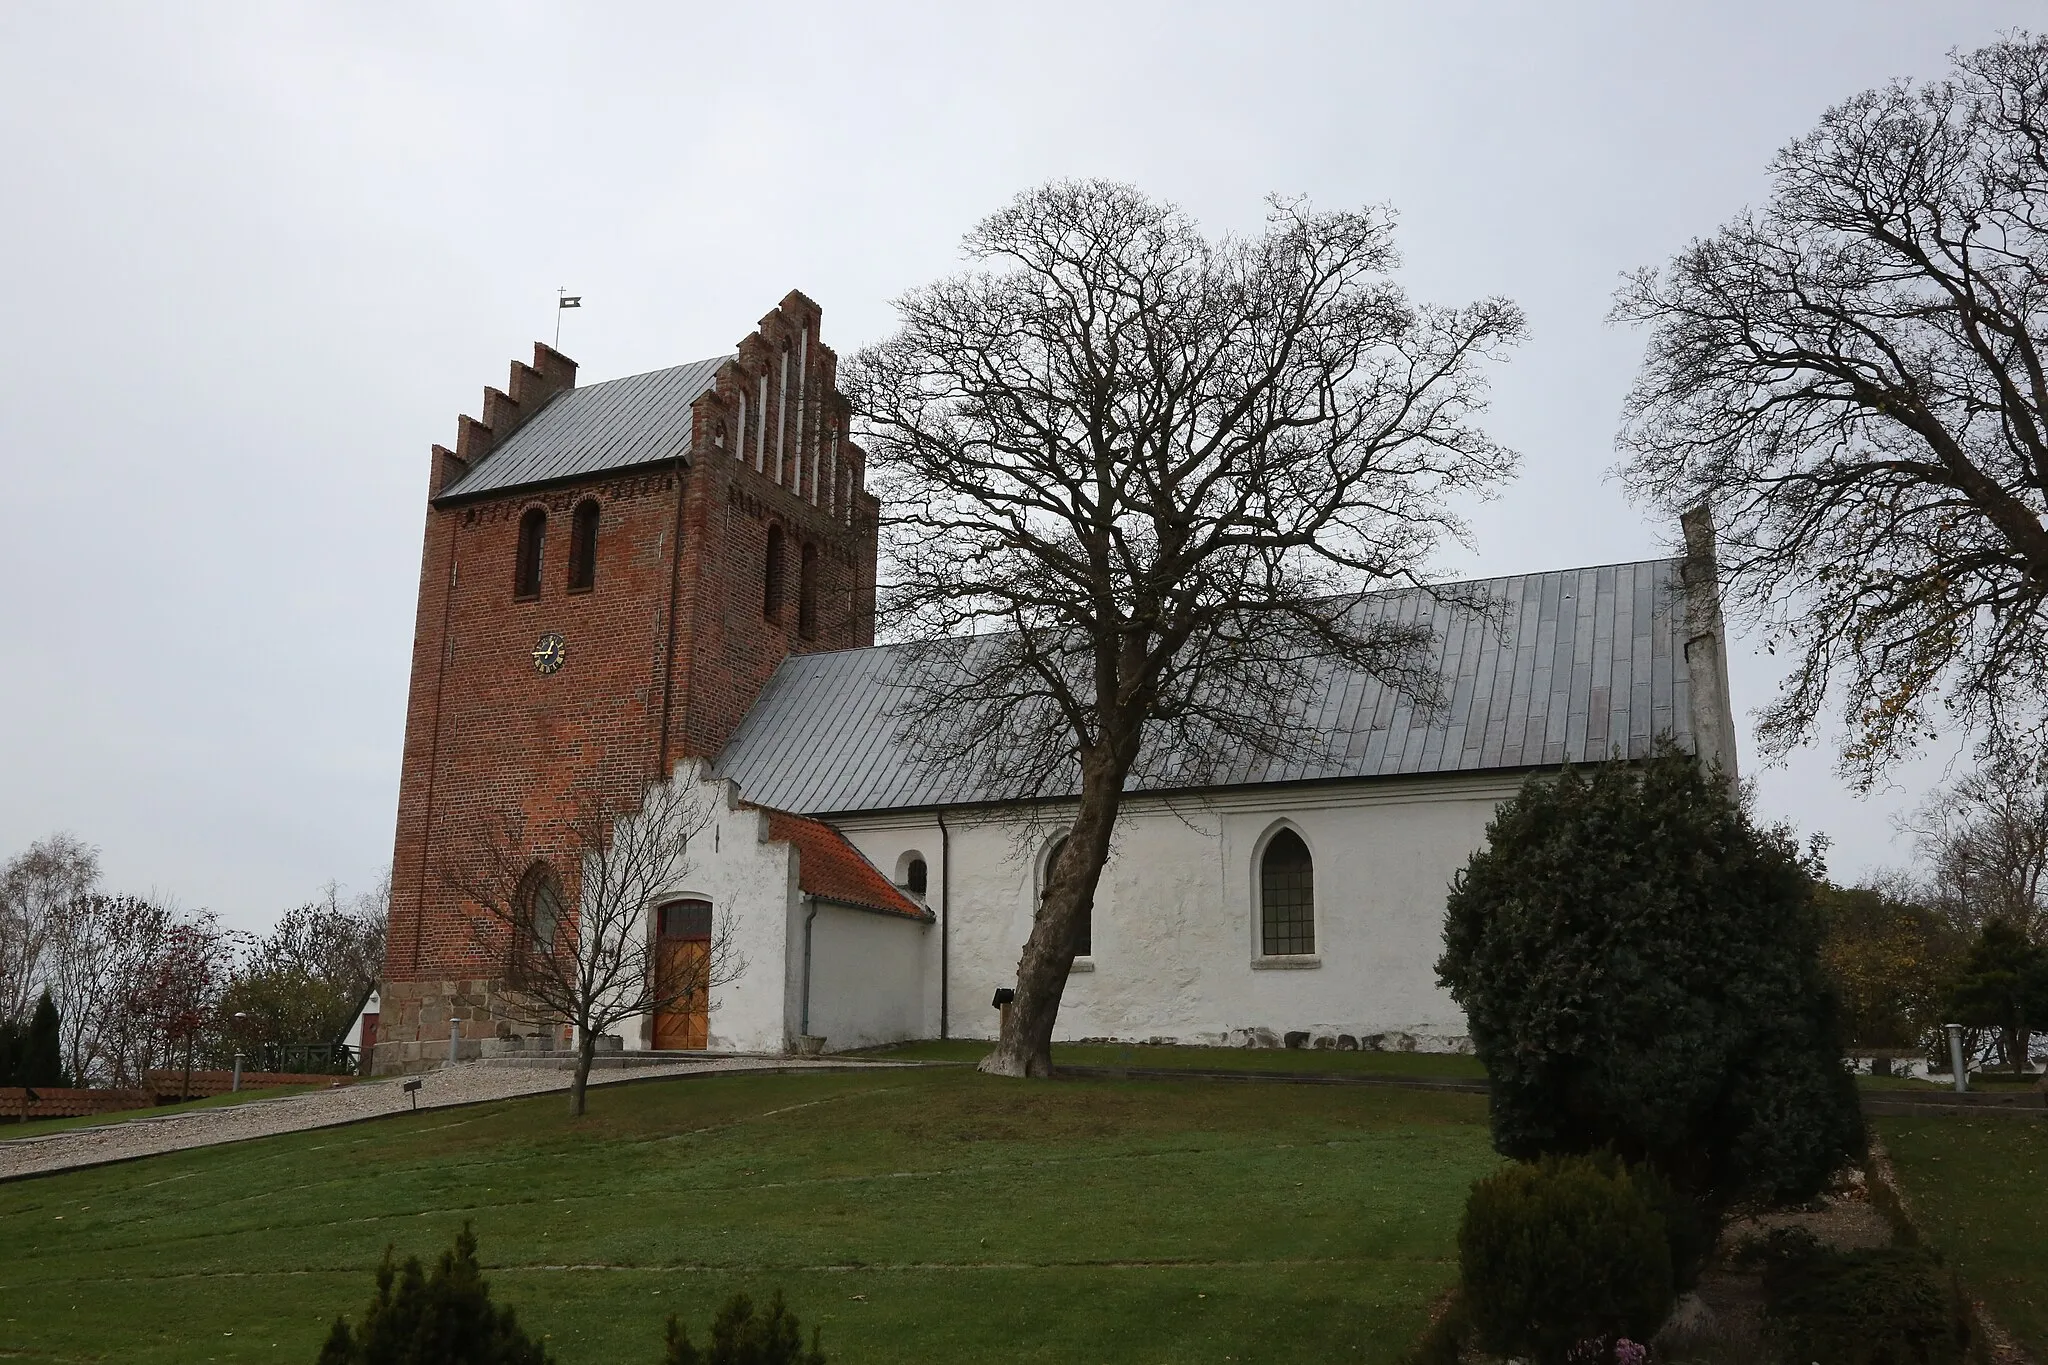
(832, 869)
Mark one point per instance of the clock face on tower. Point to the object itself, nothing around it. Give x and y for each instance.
(550, 653)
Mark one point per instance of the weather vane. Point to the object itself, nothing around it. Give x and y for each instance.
(564, 299)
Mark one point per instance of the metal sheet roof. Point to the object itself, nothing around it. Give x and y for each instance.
(639, 419)
(1563, 667)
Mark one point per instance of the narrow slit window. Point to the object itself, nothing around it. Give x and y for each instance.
(533, 534)
(771, 577)
(1287, 897)
(807, 593)
(583, 547)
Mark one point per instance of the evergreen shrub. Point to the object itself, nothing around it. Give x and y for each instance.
(1640, 968)
(1881, 1306)
(739, 1336)
(1560, 1252)
(443, 1318)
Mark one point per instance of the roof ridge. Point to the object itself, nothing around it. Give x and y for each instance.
(1369, 592)
(658, 369)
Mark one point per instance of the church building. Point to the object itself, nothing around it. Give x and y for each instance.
(670, 577)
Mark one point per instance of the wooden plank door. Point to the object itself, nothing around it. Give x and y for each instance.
(682, 960)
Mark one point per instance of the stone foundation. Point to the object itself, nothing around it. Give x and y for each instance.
(412, 1030)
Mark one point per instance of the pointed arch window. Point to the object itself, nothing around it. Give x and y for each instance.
(1084, 932)
(533, 534)
(1287, 897)
(807, 592)
(537, 916)
(583, 547)
(771, 577)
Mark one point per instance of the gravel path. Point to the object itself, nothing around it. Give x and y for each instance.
(470, 1083)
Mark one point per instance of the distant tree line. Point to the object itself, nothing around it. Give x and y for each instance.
(97, 988)
(1965, 939)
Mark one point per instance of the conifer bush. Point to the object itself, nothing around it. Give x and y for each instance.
(1640, 968)
(442, 1318)
(1559, 1253)
(740, 1336)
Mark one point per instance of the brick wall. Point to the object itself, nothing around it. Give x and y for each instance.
(664, 655)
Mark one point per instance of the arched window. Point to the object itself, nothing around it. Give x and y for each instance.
(533, 534)
(537, 915)
(583, 547)
(771, 577)
(915, 877)
(807, 593)
(1287, 897)
(1084, 936)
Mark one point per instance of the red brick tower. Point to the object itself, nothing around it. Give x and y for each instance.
(610, 575)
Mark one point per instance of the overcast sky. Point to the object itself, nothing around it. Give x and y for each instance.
(258, 258)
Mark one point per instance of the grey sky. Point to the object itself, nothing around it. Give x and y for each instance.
(258, 258)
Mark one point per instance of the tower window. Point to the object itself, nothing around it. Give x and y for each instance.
(533, 534)
(771, 577)
(807, 593)
(583, 547)
(1287, 897)
(538, 911)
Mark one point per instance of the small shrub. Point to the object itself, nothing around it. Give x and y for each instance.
(1555, 1254)
(1888, 1306)
(445, 1318)
(739, 1336)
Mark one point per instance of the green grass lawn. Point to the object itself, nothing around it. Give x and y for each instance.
(38, 1127)
(1430, 1064)
(933, 1215)
(1979, 1187)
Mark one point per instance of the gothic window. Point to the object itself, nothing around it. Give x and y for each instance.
(771, 577)
(533, 534)
(537, 915)
(807, 593)
(1287, 900)
(1084, 937)
(583, 547)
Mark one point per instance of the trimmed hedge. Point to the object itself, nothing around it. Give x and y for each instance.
(1559, 1253)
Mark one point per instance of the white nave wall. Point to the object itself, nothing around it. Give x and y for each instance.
(1176, 953)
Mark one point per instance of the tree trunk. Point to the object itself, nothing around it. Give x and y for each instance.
(1024, 1047)
(586, 1051)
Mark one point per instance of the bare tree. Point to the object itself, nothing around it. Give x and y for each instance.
(584, 952)
(37, 887)
(1856, 377)
(1136, 479)
(1984, 840)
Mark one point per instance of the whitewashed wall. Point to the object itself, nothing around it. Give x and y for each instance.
(1176, 952)
(867, 977)
(751, 885)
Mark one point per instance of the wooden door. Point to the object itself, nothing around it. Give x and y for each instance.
(682, 961)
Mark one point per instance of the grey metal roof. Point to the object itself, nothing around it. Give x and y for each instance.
(1563, 667)
(639, 419)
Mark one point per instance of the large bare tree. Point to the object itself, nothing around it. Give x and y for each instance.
(1135, 480)
(1856, 377)
(579, 941)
